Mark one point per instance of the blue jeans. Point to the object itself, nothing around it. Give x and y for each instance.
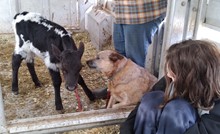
(175, 118)
(132, 40)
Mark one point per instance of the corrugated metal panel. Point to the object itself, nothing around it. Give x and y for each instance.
(5, 16)
(63, 12)
(180, 24)
(31, 5)
(212, 14)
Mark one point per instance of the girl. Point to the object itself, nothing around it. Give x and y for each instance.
(192, 72)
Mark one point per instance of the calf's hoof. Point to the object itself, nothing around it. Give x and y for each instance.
(62, 111)
(59, 108)
(15, 92)
(101, 93)
(92, 97)
(38, 84)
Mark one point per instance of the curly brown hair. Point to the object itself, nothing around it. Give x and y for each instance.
(196, 65)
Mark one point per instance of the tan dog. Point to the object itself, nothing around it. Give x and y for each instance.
(127, 81)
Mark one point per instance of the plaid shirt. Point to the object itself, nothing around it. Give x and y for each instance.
(138, 11)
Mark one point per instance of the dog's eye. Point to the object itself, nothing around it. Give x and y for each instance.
(97, 58)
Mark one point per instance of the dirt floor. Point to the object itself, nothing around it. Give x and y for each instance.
(37, 102)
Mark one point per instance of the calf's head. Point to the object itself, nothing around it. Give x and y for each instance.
(70, 65)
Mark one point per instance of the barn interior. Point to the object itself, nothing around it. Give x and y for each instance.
(89, 21)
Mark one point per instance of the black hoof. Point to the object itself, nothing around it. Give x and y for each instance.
(92, 97)
(15, 92)
(38, 84)
(101, 93)
(59, 108)
(61, 111)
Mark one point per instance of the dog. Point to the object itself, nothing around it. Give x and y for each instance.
(127, 81)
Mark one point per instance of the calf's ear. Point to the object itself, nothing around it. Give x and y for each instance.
(81, 49)
(56, 51)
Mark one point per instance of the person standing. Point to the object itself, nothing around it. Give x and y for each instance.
(136, 22)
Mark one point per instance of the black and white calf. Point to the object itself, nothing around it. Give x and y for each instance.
(38, 36)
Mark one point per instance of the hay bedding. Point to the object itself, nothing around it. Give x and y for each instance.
(37, 102)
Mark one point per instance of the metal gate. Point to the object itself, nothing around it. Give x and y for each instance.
(186, 19)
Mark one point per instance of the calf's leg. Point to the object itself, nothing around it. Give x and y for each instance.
(56, 78)
(85, 88)
(33, 74)
(16, 62)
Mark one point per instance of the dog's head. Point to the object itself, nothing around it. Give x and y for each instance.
(106, 61)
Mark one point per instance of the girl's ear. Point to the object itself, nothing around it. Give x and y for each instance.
(170, 73)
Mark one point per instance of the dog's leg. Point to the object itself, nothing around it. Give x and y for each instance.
(110, 102)
(118, 105)
(123, 100)
(123, 103)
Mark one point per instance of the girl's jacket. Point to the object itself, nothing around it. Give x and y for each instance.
(209, 123)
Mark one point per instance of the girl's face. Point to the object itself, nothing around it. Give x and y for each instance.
(170, 73)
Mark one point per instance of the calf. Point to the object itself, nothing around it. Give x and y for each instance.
(38, 36)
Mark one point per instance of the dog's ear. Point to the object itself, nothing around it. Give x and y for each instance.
(115, 56)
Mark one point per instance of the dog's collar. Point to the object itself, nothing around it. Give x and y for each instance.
(114, 72)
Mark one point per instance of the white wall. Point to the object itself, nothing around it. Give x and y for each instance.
(212, 14)
(5, 16)
(68, 13)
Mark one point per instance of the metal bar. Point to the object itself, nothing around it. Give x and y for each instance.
(2, 114)
(157, 51)
(78, 14)
(198, 18)
(67, 122)
(186, 20)
(168, 28)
